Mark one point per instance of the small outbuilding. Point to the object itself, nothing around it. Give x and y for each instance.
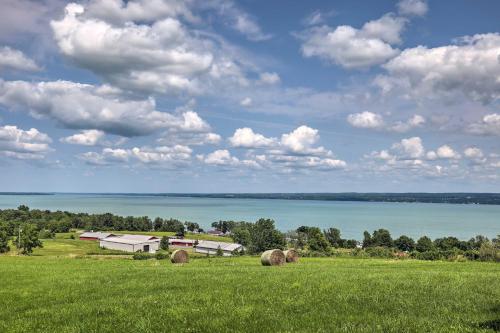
(211, 247)
(131, 244)
(181, 242)
(91, 235)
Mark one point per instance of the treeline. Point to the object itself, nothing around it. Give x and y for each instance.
(51, 222)
(314, 242)
(451, 198)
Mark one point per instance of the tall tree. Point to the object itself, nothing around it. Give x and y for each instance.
(4, 240)
(424, 244)
(332, 235)
(405, 243)
(28, 239)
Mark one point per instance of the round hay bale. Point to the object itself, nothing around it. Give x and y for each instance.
(291, 255)
(179, 257)
(272, 258)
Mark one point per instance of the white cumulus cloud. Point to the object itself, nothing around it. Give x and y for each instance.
(15, 59)
(22, 144)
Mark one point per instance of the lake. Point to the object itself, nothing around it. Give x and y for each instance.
(352, 218)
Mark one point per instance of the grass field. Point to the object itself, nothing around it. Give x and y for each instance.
(58, 294)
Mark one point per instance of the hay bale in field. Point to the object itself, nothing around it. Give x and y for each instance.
(291, 255)
(272, 258)
(179, 257)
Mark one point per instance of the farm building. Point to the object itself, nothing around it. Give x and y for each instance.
(181, 242)
(216, 233)
(90, 235)
(131, 244)
(139, 237)
(210, 247)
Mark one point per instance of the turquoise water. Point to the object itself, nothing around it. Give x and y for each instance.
(352, 218)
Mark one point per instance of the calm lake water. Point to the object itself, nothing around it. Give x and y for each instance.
(352, 218)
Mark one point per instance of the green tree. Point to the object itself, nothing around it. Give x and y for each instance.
(405, 243)
(316, 241)
(424, 244)
(367, 239)
(332, 235)
(4, 241)
(382, 237)
(23, 208)
(264, 236)
(164, 243)
(219, 252)
(241, 236)
(29, 239)
(157, 223)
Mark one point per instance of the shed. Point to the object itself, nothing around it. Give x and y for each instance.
(211, 247)
(90, 235)
(181, 242)
(130, 245)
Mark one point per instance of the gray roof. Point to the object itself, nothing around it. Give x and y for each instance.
(142, 238)
(215, 245)
(98, 234)
(122, 240)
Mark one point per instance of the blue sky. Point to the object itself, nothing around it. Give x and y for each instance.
(249, 96)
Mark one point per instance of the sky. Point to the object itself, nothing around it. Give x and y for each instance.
(250, 96)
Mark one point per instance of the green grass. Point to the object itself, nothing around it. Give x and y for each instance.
(56, 294)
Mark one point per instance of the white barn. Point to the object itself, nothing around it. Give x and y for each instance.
(210, 247)
(131, 243)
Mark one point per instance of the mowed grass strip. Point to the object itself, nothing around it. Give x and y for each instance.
(51, 294)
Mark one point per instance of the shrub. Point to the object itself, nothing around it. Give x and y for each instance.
(143, 256)
(488, 252)
(472, 254)
(161, 255)
(428, 255)
(380, 252)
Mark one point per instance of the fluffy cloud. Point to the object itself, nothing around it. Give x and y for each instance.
(470, 67)
(412, 7)
(15, 59)
(83, 106)
(219, 157)
(489, 125)
(85, 138)
(355, 48)
(293, 151)
(118, 11)
(300, 141)
(443, 152)
(366, 119)
(246, 138)
(410, 154)
(410, 148)
(473, 153)
(372, 120)
(156, 156)
(189, 138)
(21, 144)
(163, 56)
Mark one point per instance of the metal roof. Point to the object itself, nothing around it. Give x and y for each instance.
(215, 245)
(99, 235)
(122, 240)
(141, 238)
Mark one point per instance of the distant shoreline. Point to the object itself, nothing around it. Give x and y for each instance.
(418, 197)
